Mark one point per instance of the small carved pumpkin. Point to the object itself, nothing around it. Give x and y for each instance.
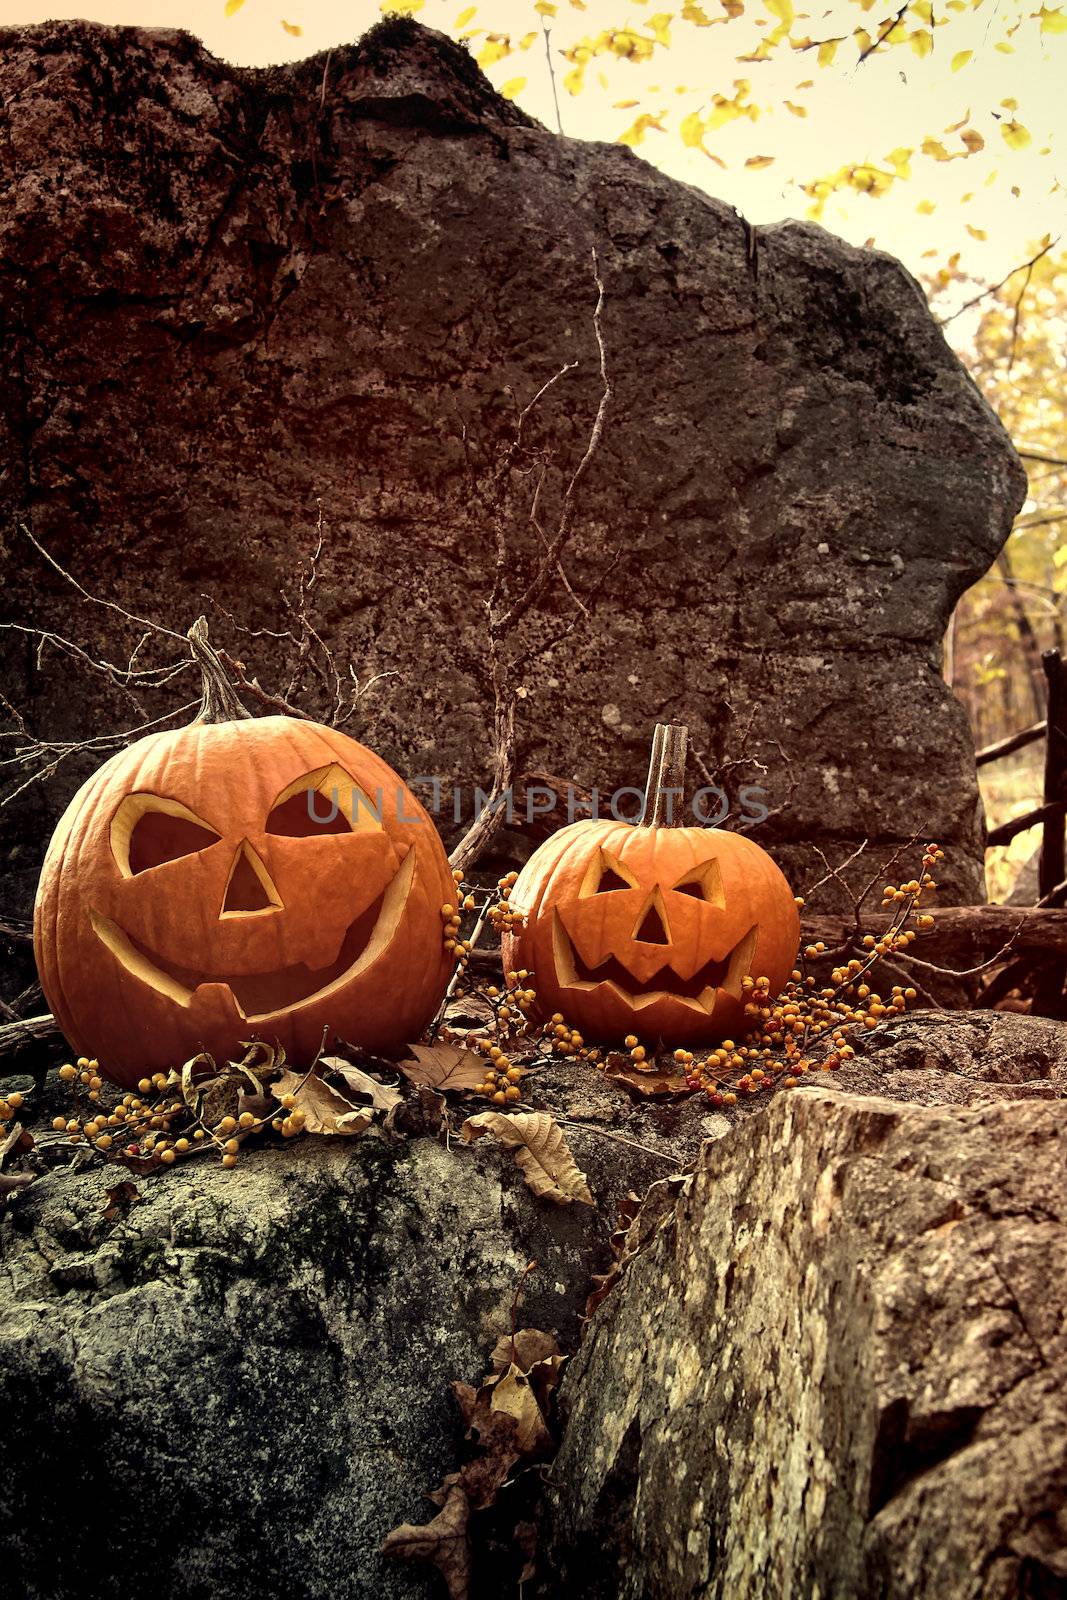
(240, 878)
(649, 929)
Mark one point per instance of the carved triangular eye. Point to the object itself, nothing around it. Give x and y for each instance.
(604, 874)
(703, 883)
(158, 838)
(148, 830)
(327, 800)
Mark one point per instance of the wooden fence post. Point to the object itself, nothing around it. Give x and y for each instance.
(1050, 998)
(1052, 868)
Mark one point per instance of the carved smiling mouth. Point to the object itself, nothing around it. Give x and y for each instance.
(262, 994)
(698, 992)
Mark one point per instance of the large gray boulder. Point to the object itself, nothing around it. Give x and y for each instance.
(239, 1383)
(838, 1369)
(233, 297)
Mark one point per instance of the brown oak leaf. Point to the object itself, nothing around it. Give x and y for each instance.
(444, 1066)
(523, 1349)
(541, 1151)
(515, 1397)
(325, 1111)
(381, 1095)
(646, 1085)
(443, 1542)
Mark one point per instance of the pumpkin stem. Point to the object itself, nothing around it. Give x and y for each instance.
(666, 777)
(220, 702)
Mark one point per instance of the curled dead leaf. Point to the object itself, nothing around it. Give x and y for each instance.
(541, 1151)
(15, 1139)
(515, 1396)
(325, 1110)
(523, 1349)
(496, 1433)
(382, 1096)
(646, 1085)
(544, 1377)
(444, 1067)
(637, 1221)
(443, 1542)
(120, 1197)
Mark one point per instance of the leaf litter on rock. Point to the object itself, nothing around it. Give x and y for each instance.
(541, 1151)
(444, 1067)
(509, 1418)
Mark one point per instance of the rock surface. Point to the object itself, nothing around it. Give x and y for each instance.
(232, 297)
(838, 1369)
(241, 1383)
(239, 1386)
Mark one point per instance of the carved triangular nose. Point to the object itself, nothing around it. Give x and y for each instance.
(651, 930)
(250, 887)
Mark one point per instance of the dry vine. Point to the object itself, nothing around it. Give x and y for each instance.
(503, 615)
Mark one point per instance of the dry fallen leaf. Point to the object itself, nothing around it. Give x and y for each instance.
(497, 1436)
(514, 1395)
(14, 1139)
(541, 1151)
(442, 1542)
(523, 1349)
(470, 1010)
(646, 1085)
(120, 1197)
(382, 1096)
(444, 1066)
(637, 1221)
(507, 1417)
(325, 1111)
(545, 1376)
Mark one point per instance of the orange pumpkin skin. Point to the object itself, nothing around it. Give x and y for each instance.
(650, 930)
(273, 927)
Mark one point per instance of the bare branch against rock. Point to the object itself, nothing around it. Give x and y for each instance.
(986, 931)
(15, 1036)
(503, 616)
(29, 759)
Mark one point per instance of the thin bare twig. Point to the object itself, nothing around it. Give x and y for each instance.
(502, 618)
(524, 602)
(95, 599)
(887, 29)
(552, 75)
(1025, 266)
(602, 1133)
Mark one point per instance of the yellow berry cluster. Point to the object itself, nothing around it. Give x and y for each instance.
(510, 1007)
(9, 1104)
(502, 1079)
(501, 915)
(563, 1040)
(294, 1119)
(155, 1124)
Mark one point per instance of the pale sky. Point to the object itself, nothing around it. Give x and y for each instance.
(854, 112)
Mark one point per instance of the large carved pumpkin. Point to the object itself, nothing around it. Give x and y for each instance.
(649, 929)
(203, 889)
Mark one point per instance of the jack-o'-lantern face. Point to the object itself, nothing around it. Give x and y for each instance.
(264, 878)
(650, 930)
(679, 941)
